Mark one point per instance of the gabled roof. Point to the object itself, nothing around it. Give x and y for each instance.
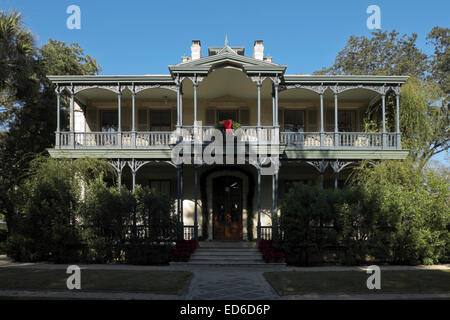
(227, 56)
(215, 50)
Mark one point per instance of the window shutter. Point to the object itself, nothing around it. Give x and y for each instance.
(210, 118)
(312, 121)
(244, 117)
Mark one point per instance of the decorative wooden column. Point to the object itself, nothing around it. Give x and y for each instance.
(119, 110)
(258, 87)
(275, 88)
(336, 128)
(275, 203)
(383, 110)
(322, 140)
(178, 85)
(133, 116)
(259, 203)
(195, 82)
(196, 201)
(58, 115)
(180, 101)
(72, 115)
(397, 117)
(180, 198)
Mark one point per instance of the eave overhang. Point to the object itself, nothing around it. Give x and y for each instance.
(348, 79)
(112, 79)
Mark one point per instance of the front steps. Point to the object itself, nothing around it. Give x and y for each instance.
(228, 254)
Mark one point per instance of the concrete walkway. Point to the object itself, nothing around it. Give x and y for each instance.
(234, 283)
(216, 283)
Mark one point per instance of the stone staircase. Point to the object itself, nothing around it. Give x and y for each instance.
(236, 253)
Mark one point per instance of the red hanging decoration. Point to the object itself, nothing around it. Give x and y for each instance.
(227, 124)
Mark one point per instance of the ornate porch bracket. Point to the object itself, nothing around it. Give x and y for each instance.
(118, 165)
(258, 79)
(114, 88)
(141, 87)
(319, 165)
(135, 165)
(196, 80)
(338, 166)
(319, 89)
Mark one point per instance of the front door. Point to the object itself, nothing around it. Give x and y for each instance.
(227, 208)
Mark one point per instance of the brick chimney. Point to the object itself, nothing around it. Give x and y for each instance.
(258, 50)
(196, 50)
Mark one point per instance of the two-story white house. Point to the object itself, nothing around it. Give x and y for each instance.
(135, 122)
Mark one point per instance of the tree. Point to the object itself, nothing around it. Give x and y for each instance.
(382, 54)
(440, 61)
(424, 114)
(424, 123)
(17, 64)
(28, 100)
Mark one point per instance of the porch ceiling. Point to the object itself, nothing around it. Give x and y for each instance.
(227, 81)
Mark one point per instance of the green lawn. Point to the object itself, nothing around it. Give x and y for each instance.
(164, 282)
(411, 281)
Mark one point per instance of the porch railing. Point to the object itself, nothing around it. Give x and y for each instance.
(357, 140)
(164, 139)
(266, 232)
(188, 232)
(114, 140)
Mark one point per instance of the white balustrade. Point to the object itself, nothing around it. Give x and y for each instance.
(248, 134)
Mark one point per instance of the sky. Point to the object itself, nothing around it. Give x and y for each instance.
(144, 37)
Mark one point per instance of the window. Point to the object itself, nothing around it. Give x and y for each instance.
(161, 186)
(160, 120)
(109, 121)
(227, 115)
(142, 120)
(346, 121)
(294, 120)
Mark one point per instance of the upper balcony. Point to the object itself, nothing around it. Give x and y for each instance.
(304, 112)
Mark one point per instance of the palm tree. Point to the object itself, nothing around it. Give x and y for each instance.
(17, 61)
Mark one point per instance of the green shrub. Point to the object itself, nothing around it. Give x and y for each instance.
(20, 248)
(107, 215)
(306, 211)
(155, 213)
(48, 210)
(395, 214)
(46, 215)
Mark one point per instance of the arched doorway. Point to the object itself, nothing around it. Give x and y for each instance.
(227, 208)
(246, 186)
